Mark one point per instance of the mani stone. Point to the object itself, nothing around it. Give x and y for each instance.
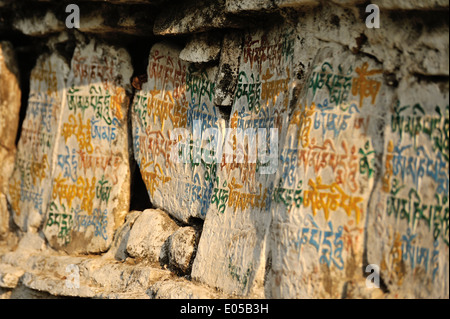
(30, 184)
(149, 233)
(408, 225)
(232, 247)
(171, 116)
(10, 101)
(91, 179)
(326, 176)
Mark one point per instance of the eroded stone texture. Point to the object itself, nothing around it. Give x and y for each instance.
(409, 218)
(232, 247)
(30, 184)
(91, 180)
(170, 117)
(10, 96)
(325, 177)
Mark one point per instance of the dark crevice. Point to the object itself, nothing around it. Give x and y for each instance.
(196, 223)
(140, 199)
(428, 78)
(139, 50)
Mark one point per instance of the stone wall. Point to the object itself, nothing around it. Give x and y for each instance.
(224, 148)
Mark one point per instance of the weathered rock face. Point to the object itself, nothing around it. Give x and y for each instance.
(91, 179)
(10, 96)
(288, 150)
(30, 184)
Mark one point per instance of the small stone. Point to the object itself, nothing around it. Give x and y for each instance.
(201, 49)
(149, 233)
(182, 246)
